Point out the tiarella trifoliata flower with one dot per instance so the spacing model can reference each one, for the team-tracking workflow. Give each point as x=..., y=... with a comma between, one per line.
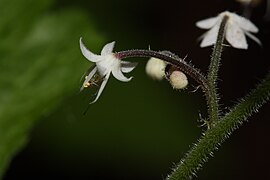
x=155, y=68
x=178, y=79
x=236, y=29
x=106, y=64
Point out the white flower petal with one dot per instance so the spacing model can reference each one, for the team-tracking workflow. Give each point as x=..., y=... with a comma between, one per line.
x=210, y=37
x=236, y=29
x=91, y=74
x=117, y=73
x=244, y=23
x=108, y=63
x=251, y=36
x=127, y=67
x=107, y=49
x=207, y=23
x=235, y=36
x=88, y=54
x=105, y=80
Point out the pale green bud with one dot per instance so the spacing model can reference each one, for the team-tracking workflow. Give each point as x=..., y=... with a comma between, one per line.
x=155, y=68
x=178, y=80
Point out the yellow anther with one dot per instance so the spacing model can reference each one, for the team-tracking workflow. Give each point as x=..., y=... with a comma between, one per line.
x=87, y=84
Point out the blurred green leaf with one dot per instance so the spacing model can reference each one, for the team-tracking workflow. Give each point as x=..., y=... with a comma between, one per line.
x=40, y=64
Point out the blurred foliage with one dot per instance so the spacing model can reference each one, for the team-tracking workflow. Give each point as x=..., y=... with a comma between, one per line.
x=39, y=65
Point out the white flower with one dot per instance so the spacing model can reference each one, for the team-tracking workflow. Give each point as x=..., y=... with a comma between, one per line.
x=155, y=68
x=106, y=63
x=236, y=29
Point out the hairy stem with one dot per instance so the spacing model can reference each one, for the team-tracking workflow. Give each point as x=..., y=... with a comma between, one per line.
x=213, y=108
x=213, y=138
x=172, y=59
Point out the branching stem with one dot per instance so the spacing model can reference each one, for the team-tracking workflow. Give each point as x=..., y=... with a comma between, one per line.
x=214, y=137
x=219, y=128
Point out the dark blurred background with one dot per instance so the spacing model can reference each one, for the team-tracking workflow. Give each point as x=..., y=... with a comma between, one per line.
x=137, y=130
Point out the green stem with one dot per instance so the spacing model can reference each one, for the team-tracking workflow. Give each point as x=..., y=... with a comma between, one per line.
x=213, y=138
x=213, y=108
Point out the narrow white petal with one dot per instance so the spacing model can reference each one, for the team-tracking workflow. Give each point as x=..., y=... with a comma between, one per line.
x=245, y=24
x=251, y=36
x=210, y=37
x=117, y=73
x=91, y=74
x=105, y=80
x=88, y=54
x=127, y=67
x=107, y=64
x=207, y=23
x=108, y=48
x=235, y=36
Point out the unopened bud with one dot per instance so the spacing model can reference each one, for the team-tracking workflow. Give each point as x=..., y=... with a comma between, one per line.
x=178, y=79
x=155, y=68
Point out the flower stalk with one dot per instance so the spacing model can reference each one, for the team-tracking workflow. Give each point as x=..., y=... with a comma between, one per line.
x=172, y=59
x=213, y=98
